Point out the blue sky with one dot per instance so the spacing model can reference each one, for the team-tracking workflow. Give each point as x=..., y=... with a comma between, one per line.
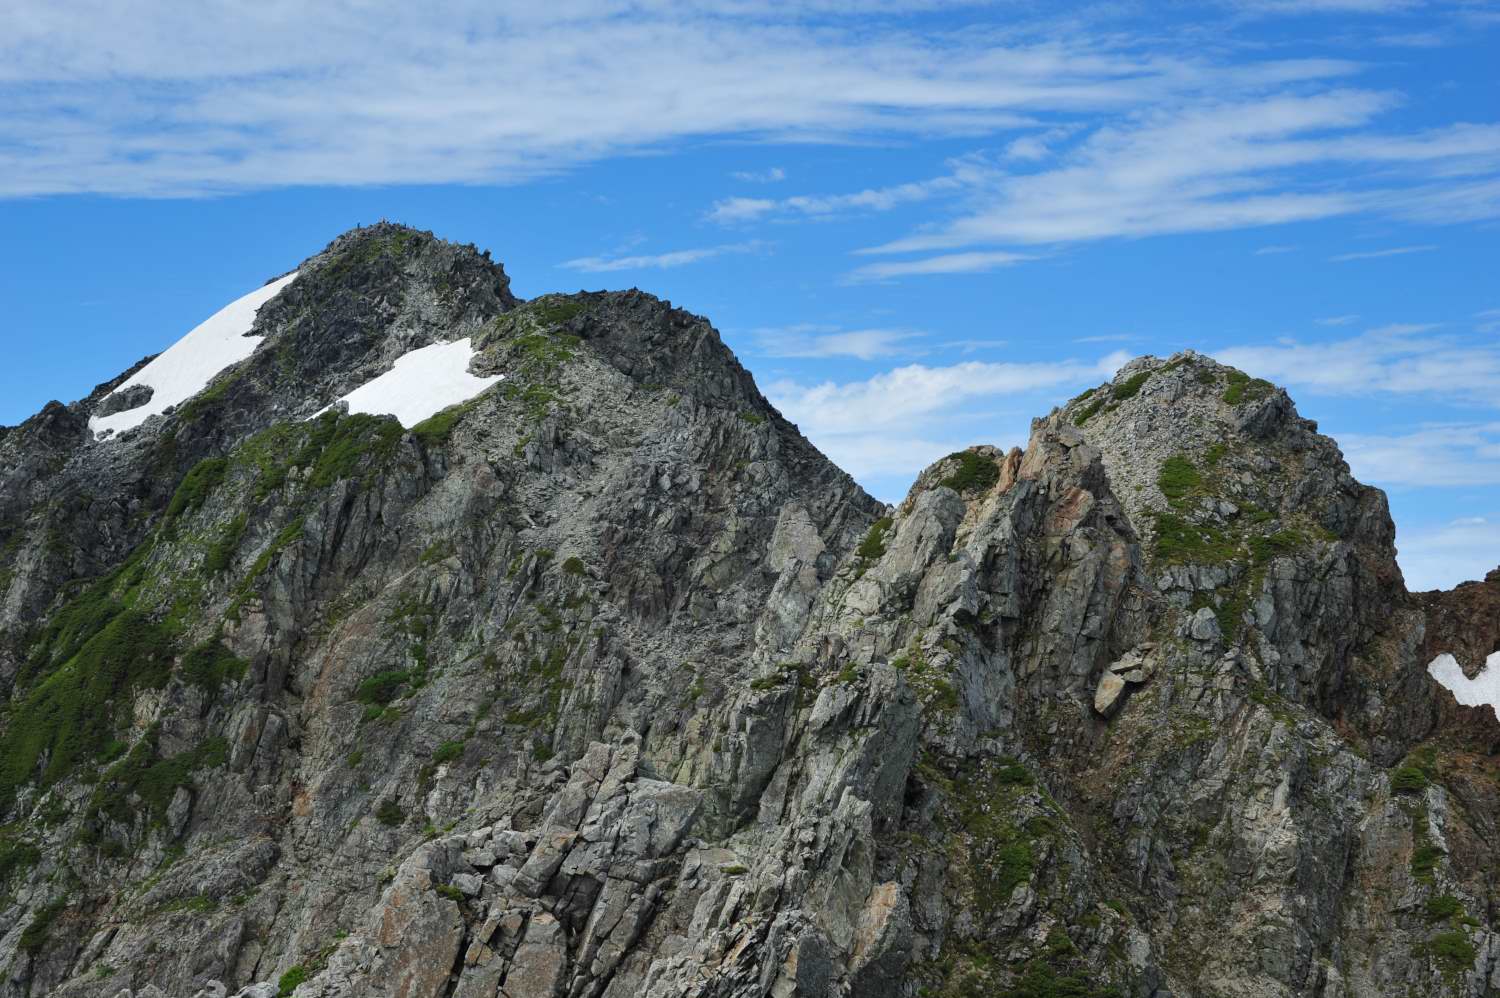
x=920, y=224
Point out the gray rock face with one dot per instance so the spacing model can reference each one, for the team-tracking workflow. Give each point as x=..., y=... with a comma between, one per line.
x=608, y=684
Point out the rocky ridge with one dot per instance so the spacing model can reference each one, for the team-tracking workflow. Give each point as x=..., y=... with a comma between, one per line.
x=607, y=683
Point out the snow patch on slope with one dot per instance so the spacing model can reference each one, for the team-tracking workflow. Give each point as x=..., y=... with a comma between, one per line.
x=421, y=383
x=1482, y=689
x=186, y=367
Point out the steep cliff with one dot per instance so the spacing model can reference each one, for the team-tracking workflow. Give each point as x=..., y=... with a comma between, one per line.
x=604, y=682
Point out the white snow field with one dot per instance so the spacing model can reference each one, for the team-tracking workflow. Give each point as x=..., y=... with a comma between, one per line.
x=186, y=367
x=1482, y=689
x=421, y=383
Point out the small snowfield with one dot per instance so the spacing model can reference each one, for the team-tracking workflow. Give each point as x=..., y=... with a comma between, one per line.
x=1481, y=690
x=421, y=383
x=186, y=367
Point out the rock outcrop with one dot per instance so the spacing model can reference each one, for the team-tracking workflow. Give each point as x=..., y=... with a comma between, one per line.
x=606, y=683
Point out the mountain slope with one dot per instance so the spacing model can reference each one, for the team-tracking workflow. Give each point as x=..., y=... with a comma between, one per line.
x=604, y=681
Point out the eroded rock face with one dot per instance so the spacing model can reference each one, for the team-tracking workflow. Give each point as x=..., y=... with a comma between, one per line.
x=608, y=684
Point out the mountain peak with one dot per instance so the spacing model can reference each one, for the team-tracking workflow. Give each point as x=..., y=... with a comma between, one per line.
x=441, y=642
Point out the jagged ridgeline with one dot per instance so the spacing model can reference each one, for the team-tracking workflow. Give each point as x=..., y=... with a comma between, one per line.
x=582, y=673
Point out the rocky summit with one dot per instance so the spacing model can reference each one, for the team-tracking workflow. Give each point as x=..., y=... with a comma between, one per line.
x=604, y=683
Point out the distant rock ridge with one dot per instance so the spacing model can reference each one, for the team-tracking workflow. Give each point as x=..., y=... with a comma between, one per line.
x=601, y=681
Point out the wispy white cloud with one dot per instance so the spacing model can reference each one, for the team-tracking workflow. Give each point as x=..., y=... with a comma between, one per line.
x=136, y=99
x=899, y=396
x=898, y=421
x=872, y=455
x=742, y=209
x=815, y=341
x=1337, y=320
x=948, y=263
x=1440, y=455
x=1378, y=254
x=1326, y=6
x=1275, y=250
x=1487, y=321
x=975, y=345
x=659, y=261
x=1463, y=550
x=774, y=175
x=1039, y=145
x=1408, y=359
x=1205, y=165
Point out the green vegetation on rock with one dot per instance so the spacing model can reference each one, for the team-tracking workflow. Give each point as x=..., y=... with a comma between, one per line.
x=389, y=813
x=1408, y=780
x=290, y=980
x=1243, y=388
x=144, y=782
x=1131, y=386
x=34, y=938
x=1178, y=478
x=69, y=716
x=210, y=665
x=976, y=473
x=204, y=477
x=872, y=548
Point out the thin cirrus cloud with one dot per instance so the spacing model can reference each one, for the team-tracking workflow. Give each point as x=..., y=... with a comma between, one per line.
x=771, y=176
x=136, y=100
x=743, y=209
x=1381, y=253
x=947, y=263
x=813, y=342
x=1218, y=164
x=659, y=261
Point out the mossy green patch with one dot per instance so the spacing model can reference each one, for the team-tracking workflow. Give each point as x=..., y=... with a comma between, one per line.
x=17, y=855
x=382, y=688
x=872, y=548
x=448, y=751
x=933, y=687
x=1408, y=780
x=34, y=938
x=290, y=980
x=1453, y=951
x=1443, y=907
x=975, y=472
x=1178, y=479
x=389, y=813
x=69, y=716
x=1243, y=388
x=1000, y=850
x=210, y=665
x=437, y=428
x=196, y=486
x=145, y=781
x=339, y=445
x=1131, y=386
x=1089, y=411
x=554, y=310
x=220, y=554
x=1424, y=861
x=1180, y=540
